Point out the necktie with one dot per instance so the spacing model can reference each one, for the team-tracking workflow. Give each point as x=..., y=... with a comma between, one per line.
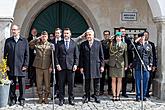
x=67, y=45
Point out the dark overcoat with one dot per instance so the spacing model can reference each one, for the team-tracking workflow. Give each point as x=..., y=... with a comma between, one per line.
x=91, y=59
x=17, y=54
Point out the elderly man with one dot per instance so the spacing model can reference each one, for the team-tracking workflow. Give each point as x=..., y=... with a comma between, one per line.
x=42, y=63
x=16, y=51
x=91, y=64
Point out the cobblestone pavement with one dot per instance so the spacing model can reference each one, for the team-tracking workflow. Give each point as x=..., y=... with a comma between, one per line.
x=106, y=103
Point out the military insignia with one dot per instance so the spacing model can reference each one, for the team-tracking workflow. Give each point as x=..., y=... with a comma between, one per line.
x=147, y=48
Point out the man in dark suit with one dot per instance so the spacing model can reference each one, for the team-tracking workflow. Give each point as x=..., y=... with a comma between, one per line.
x=130, y=59
x=154, y=66
x=32, y=54
x=57, y=38
x=67, y=57
x=16, y=51
x=105, y=45
x=91, y=64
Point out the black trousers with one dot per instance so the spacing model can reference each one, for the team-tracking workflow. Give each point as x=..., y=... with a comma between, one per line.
x=21, y=81
x=102, y=80
x=96, y=85
x=66, y=75
x=125, y=81
x=133, y=82
x=32, y=75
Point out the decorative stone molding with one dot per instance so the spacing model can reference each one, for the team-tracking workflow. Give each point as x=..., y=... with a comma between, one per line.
x=6, y=19
x=5, y=23
x=159, y=19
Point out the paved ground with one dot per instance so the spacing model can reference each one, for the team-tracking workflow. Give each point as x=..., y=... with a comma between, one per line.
x=106, y=103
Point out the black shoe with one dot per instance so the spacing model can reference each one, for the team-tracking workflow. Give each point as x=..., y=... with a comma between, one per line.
x=125, y=95
x=61, y=102
x=22, y=102
x=97, y=100
x=71, y=102
x=12, y=102
x=84, y=100
x=144, y=99
x=114, y=98
x=117, y=98
x=137, y=99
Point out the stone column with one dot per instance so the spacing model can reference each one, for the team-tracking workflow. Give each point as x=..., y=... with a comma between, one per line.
x=159, y=81
x=5, y=24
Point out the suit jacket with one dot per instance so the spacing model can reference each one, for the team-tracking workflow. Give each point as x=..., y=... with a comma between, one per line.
x=31, y=52
x=105, y=45
x=43, y=55
x=129, y=49
x=118, y=55
x=67, y=58
x=17, y=55
x=153, y=53
x=91, y=58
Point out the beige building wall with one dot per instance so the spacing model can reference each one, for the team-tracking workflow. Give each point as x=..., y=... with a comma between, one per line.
x=107, y=13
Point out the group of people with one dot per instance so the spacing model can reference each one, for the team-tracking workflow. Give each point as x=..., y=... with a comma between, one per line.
x=114, y=56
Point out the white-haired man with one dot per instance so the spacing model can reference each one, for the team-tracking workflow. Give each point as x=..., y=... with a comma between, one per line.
x=91, y=64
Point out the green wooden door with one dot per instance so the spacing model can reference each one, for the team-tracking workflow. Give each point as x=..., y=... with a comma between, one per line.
x=60, y=15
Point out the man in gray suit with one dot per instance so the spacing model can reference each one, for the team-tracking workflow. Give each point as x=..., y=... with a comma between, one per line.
x=67, y=57
x=91, y=64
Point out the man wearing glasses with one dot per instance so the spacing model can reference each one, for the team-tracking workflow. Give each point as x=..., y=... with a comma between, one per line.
x=105, y=45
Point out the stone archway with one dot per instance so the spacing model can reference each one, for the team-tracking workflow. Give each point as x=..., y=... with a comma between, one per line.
x=42, y=4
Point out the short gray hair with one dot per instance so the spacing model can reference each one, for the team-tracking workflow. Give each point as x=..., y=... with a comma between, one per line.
x=90, y=30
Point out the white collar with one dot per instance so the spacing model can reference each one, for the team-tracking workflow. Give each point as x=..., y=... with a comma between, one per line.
x=67, y=40
x=91, y=42
x=16, y=37
x=59, y=39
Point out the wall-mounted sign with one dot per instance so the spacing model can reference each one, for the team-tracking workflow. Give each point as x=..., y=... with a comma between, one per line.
x=129, y=16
